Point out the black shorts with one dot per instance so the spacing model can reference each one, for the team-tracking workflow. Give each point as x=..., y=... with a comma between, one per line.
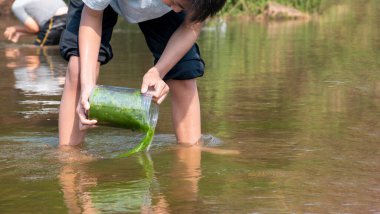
x=69, y=39
x=50, y=32
x=157, y=33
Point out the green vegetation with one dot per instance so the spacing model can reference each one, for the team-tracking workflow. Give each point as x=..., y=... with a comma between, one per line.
x=124, y=108
x=117, y=109
x=310, y=6
x=142, y=146
x=255, y=7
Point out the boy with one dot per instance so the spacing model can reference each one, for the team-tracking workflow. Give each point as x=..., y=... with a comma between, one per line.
x=170, y=27
x=46, y=18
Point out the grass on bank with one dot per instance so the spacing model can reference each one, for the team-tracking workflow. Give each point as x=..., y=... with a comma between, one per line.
x=256, y=7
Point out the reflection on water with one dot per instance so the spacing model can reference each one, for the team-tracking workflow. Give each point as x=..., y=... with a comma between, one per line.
x=113, y=189
x=38, y=74
x=294, y=108
x=32, y=77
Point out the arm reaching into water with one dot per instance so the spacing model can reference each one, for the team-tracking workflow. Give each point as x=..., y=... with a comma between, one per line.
x=90, y=32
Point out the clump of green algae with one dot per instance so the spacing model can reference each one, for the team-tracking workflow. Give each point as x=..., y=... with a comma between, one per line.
x=142, y=146
x=123, y=110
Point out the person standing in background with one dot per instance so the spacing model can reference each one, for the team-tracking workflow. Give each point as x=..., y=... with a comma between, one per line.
x=44, y=18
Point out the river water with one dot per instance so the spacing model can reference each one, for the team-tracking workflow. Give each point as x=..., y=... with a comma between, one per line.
x=290, y=115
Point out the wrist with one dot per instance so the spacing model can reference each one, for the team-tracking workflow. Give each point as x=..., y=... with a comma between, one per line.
x=87, y=88
x=88, y=77
x=156, y=71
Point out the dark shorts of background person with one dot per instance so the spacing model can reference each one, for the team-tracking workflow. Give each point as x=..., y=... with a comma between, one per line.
x=50, y=32
x=157, y=33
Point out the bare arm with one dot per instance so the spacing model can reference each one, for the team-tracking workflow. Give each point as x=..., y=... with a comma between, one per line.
x=90, y=32
x=30, y=26
x=179, y=44
x=13, y=33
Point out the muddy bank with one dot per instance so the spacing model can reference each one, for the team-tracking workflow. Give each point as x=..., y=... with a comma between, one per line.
x=272, y=11
x=276, y=11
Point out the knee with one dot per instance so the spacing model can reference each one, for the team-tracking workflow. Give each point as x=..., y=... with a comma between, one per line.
x=183, y=88
x=183, y=85
x=72, y=75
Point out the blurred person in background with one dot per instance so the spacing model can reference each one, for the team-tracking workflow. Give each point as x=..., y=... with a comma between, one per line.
x=44, y=18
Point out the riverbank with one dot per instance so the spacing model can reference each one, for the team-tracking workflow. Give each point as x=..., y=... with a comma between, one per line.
x=270, y=11
x=258, y=7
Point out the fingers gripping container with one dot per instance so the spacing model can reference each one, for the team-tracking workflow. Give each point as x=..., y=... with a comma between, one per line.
x=124, y=108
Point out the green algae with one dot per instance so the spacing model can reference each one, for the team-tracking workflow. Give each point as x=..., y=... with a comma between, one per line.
x=142, y=146
x=123, y=108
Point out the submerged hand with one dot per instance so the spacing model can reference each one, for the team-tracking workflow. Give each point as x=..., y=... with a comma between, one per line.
x=154, y=85
x=15, y=37
x=82, y=110
x=10, y=33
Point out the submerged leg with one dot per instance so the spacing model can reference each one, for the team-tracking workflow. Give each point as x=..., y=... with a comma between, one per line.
x=186, y=113
x=69, y=132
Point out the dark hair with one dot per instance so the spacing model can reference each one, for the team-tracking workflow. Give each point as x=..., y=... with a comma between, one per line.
x=202, y=9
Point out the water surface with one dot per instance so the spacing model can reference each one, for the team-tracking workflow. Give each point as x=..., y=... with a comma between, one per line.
x=298, y=100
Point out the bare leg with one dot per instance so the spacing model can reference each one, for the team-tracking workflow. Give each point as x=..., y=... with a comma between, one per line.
x=186, y=114
x=69, y=133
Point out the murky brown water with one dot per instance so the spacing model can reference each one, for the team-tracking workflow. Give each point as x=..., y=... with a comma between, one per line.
x=299, y=101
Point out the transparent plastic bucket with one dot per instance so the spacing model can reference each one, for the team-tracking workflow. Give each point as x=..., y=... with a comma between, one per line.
x=123, y=107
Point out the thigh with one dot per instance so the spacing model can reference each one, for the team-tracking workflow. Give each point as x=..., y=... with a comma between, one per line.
x=157, y=33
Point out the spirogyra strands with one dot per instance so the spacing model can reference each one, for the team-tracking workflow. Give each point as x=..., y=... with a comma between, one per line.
x=124, y=108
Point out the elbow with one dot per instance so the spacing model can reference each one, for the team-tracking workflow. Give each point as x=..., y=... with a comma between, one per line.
x=198, y=27
x=31, y=25
x=194, y=27
x=34, y=30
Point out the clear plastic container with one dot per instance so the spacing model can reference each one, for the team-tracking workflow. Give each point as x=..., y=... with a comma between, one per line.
x=123, y=107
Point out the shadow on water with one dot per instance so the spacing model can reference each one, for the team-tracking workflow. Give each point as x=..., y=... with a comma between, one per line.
x=292, y=109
